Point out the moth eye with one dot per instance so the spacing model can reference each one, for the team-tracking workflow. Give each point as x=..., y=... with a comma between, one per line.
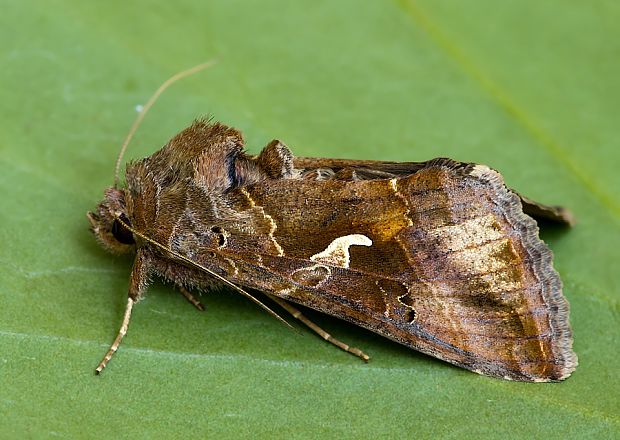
x=120, y=232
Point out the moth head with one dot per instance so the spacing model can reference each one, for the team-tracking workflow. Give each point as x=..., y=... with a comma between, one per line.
x=108, y=222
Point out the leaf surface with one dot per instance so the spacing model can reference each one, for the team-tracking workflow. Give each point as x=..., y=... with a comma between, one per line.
x=529, y=88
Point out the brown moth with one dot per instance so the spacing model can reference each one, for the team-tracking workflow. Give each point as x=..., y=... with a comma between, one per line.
x=440, y=256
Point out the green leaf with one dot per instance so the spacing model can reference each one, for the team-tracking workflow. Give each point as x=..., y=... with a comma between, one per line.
x=527, y=87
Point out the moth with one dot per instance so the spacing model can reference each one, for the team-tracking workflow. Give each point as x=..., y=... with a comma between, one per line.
x=439, y=256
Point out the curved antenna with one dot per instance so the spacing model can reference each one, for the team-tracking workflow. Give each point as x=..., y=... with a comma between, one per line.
x=201, y=267
x=148, y=105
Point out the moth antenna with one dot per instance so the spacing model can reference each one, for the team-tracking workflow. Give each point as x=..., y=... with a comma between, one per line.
x=148, y=105
x=201, y=267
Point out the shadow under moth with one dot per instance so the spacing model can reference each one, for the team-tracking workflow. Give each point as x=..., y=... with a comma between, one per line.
x=439, y=256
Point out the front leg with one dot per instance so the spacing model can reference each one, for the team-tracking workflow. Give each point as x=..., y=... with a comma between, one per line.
x=138, y=283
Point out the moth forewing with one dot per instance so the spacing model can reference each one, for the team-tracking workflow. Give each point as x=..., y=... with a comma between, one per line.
x=449, y=264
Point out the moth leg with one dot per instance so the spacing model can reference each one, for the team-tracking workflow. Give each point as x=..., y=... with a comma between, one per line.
x=119, y=337
x=191, y=298
x=322, y=333
x=138, y=282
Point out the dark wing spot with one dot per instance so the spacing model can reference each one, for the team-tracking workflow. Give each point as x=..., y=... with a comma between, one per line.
x=410, y=316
